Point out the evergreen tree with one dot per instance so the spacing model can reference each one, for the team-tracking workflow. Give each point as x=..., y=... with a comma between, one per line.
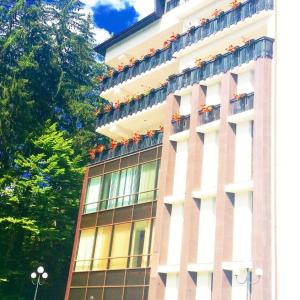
x=47, y=76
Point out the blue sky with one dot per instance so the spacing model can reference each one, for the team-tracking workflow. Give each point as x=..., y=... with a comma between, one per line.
x=112, y=16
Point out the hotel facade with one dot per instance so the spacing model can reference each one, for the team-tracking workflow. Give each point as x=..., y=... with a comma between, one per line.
x=179, y=205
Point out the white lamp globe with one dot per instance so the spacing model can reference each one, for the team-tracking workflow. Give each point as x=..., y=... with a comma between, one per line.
x=33, y=275
x=45, y=275
x=40, y=269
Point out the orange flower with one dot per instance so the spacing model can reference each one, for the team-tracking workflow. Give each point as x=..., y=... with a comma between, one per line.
x=120, y=67
x=203, y=21
x=211, y=57
x=100, y=78
x=92, y=154
x=166, y=44
x=136, y=138
x=100, y=148
x=247, y=40
x=234, y=4
x=96, y=112
x=113, y=144
x=124, y=141
x=132, y=61
x=161, y=128
x=110, y=73
x=173, y=37
x=239, y=96
x=152, y=51
x=216, y=13
x=206, y=108
x=117, y=105
x=150, y=133
x=199, y=62
x=176, y=117
x=231, y=48
x=107, y=107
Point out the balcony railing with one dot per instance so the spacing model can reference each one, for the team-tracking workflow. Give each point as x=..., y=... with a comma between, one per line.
x=121, y=150
x=210, y=116
x=262, y=47
x=154, y=97
x=193, y=35
x=242, y=104
x=172, y=4
x=182, y=124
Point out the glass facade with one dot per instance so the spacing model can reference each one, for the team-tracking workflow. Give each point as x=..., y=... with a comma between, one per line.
x=114, y=247
x=134, y=185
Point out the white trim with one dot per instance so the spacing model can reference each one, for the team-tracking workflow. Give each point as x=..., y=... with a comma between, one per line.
x=201, y=267
x=174, y=199
x=205, y=193
x=166, y=269
x=241, y=117
x=239, y=187
x=209, y=127
x=180, y=136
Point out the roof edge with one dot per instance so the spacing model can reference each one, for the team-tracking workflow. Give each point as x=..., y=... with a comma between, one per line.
x=159, y=10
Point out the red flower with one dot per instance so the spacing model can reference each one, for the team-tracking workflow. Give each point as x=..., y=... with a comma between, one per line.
x=100, y=148
x=100, y=78
x=150, y=133
x=120, y=67
x=124, y=141
x=206, y=108
x=166, y=43
x=92, y=154
x=113, y=144
x=203, y=21
x=136, y=138
x=173, y=37
x=161, y=128
x=152, y=51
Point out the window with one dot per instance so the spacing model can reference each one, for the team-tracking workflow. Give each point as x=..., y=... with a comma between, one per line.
x=102, y=248
x=120, y=246
x=92, y=195
x=147, y=182
x=140, y=244
x=85, y=250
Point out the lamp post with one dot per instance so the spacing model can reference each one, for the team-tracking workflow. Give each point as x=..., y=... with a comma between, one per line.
x=36, y=279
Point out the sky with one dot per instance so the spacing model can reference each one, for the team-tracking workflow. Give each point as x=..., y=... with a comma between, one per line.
x=112, y=16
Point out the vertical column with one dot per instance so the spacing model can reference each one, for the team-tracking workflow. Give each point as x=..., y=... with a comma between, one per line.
x=187, y=281
x=76, y=239
x=224, y=205
x=262, y=208
x=166, y=176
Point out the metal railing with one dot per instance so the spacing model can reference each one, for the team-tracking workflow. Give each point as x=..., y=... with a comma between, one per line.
x=210, y=116
x=193, y=35
x=182, y=124
x=244, y=103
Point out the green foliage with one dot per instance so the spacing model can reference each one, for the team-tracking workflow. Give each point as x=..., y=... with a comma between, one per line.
x=47, y=77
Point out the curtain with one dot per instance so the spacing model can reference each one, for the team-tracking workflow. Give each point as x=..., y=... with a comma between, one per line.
x=102, y=248
x=147, y=182
x=120, y=246
x=85, y=250
x=92, y=196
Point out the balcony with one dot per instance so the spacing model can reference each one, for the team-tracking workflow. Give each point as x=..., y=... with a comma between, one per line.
x=153, y=98
x=121, y=150
x=192, y=36
x=244, y=103
x=172, y=4
x=241, y=109
x=209, y=120
x=222, y=63
x=182, y=124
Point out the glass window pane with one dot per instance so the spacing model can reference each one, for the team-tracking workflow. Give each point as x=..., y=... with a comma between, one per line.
x=120, y=245
x=140, y=244
x=92, y=195
x=122, y=186
x=131, y=186
x=105, y=190
x=85, y=250
x=147, y=182
x=113, y=191
x=102, y=248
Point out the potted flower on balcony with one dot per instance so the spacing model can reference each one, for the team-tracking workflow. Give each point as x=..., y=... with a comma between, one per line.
x=203, y=21
x=110, y=73
x=136, y=137
x=100, y=78
x=235, y=4
x=176, y=118
x=100, y=148
x=132, y=61
x=174, y=37
x=199, y=62
x=237, y=97
x=217, y=12
x=231, y=48
x=113, y=145
x=166, y=43
x=120, y=67
x=152, y=51
x=97, y=112
x=107, y=108
x=117, y=105
x=206, y=108
x=92, y=154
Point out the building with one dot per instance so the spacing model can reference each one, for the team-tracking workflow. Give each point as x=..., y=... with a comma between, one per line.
x=180, y=205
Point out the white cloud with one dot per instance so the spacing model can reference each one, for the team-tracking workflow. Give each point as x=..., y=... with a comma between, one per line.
x=143, y=8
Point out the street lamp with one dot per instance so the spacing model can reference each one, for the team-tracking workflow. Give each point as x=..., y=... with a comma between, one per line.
x=36, y=278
